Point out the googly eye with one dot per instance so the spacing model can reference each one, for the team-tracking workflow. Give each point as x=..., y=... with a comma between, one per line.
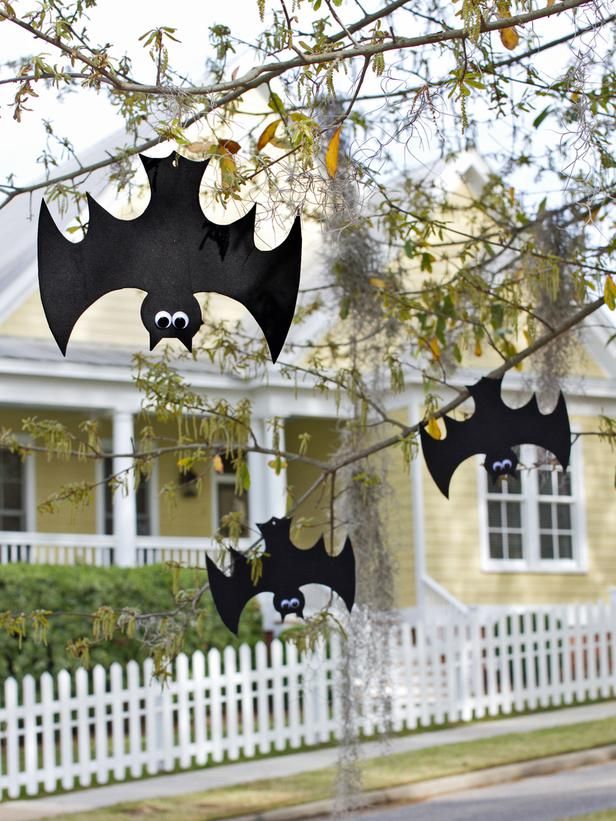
x=507, y=464
x=180, y=320
x=285, y=604
x=497, y=467
x=163, y=319
x=294, y=602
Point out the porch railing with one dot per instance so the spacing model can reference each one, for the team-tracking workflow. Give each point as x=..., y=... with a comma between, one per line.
x=96, y=549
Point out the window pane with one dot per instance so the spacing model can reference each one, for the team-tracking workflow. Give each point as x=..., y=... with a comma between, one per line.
x=564, y=483
x=12, y=522
x=563, y=517
x=545, y=515
x=12, y=496
x=494, y=514
x=514, y=541
x=230, y=502
x=496, y=546
x=10, y=466
x=565, y=547
x=513, y=484
x=547, y=546
x=514, y=514
x=545, y=482
x=143, y=508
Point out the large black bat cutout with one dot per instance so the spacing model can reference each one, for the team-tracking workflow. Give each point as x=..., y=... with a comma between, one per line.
x=285, y=569
x=172, y=251
x=493, y=429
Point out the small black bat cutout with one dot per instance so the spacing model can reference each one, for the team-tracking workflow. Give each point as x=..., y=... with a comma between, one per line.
x=493, y=429
x=172, y=251
x=285, y=569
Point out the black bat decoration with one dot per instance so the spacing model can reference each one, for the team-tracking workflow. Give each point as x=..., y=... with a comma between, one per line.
x=172, y=251
x=285, y=569
x=493, y=429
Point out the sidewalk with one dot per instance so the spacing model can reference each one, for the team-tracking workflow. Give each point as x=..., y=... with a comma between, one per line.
x=280, y=766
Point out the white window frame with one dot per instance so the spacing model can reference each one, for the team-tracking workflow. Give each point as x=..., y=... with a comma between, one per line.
x=529, y=500
x=152, y=488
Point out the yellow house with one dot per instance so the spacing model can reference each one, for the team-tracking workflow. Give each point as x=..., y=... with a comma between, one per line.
x=545, y=538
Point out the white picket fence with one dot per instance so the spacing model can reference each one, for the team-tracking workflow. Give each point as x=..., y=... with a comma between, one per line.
x=91, y=726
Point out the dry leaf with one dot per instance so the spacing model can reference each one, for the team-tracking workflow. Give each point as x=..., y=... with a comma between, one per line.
x=550, y=3
x=435, y=348
x=218, y=464
x=478, y=349
x=229, y=145
x=199, y=147
x=331, y=155
x=433, y=429
x=268, y=134
x=509, y=38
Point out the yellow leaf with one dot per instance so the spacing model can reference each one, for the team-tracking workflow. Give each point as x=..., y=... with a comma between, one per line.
x=377, y=282
x=268, y=133
x=509, y=38
x=435, y=348
x=218, y=464
x=331, y=155
x=550, y=3
x=228, y=173
x=478, y=349
x=433, y=429
x=609, y=293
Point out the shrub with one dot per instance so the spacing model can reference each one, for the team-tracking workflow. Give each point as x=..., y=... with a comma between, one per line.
x=79, y=590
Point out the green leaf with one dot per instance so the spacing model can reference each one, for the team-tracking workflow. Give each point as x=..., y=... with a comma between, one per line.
x=541, y=117
x=276, y=104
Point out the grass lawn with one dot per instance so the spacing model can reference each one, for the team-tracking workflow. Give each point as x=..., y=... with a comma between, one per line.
x=387, y=771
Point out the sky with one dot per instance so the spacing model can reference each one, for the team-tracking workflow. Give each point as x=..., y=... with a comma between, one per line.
x=87, y=117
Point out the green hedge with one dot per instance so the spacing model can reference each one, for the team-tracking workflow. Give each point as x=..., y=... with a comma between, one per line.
x=83, y=589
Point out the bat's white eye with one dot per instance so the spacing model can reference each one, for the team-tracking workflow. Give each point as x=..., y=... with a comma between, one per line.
x=294, y=603
x=507, y=464
x=497, y=467
x=162, y=319
x=285, y=604
x=180, y=320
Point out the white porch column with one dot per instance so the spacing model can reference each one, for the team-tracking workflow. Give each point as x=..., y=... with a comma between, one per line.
x=417, y=492
x=124, y=501
x=267, y=497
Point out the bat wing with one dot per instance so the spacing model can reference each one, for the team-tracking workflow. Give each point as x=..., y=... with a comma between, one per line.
x=232, y=593
x=551, y=431
x=317, y=566
x=73, y=275
x=443, y=456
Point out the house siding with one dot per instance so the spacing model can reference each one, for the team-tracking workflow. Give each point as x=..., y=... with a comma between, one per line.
x=453, y=538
